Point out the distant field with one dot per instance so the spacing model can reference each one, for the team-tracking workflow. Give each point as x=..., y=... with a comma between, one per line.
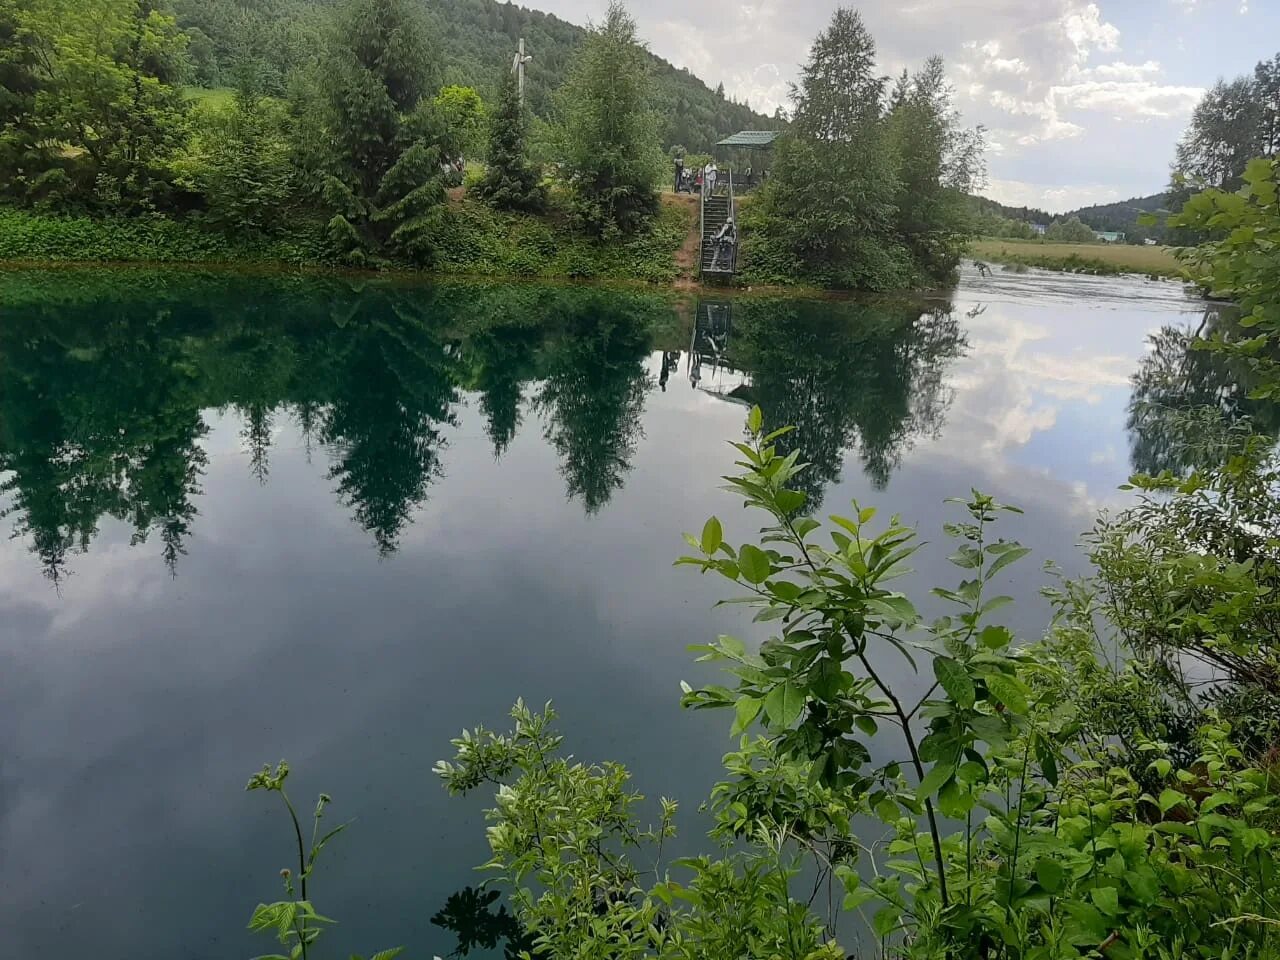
x=217, y=97
x=1080, y=257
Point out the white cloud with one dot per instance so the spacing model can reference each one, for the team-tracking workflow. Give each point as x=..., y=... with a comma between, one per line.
x=1049, y=78
x=1128, y=98
x=1087, y=31
x=1119, y=70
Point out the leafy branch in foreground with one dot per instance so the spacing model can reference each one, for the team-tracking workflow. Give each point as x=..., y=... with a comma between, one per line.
x=1013, y=822
x=295, y=921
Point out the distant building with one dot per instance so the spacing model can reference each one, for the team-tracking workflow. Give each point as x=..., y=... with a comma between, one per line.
x=1040, y=228
x=1108, y=237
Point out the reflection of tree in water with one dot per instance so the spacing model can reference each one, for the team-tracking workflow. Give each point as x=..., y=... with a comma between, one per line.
x=846, y=375
x=503, y=359
x=1175, y=385
x=593, y=395
x=470, y=916
x=105, y=425
x=393, y=386
x=102, y=388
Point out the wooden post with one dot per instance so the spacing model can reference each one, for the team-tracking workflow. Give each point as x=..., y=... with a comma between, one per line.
x=518, y=66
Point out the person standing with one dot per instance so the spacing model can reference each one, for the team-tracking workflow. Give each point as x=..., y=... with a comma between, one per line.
x=709, y=177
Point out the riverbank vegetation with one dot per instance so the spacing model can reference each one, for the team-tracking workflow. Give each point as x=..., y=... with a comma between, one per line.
x=1096, y=258
x=347, y=141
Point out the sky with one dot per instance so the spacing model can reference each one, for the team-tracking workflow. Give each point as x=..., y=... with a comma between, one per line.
x=1083, y=102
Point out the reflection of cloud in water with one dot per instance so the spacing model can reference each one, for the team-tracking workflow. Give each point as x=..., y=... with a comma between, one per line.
x=1046, y=398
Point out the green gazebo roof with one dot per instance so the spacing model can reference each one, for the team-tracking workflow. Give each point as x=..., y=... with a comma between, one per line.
x=750, y=138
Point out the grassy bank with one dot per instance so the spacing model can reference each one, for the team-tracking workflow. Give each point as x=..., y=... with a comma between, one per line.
x=474, y=241
x=1099, y=258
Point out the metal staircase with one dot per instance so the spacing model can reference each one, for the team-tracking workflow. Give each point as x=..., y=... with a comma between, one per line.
x=717, y=259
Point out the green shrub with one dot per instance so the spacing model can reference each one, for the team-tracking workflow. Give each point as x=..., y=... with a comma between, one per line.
x=36, y=237
x=1012, y=828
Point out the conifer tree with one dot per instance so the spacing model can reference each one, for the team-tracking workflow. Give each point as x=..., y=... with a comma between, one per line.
x=381, y=144
x=510, y=181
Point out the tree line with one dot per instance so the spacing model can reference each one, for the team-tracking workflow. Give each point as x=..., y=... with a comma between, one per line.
x=867, y=189
x=344, y=124
x=361, y=148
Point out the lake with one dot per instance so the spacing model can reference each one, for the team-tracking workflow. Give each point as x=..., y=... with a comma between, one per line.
x=338, y=520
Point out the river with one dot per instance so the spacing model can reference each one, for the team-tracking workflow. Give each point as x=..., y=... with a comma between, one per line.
x=337, y=520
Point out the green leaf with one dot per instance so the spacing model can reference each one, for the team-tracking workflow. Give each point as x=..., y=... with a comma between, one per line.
x=888, y=811
x=1089, y=919
x=712, y=536
x=1008, y=691
x=1048, y=762
x=1006, y=558
x=894, y=608
x=857, y=897
x=755, y=420
x=934, y=779
x=1107, y=899
x=867, y=725
x=955, y=681
x=746, y=710
x=886, y=921
x=754, y=564
x=388, y=954
x=954, y=800
x=1215, y=801
x=732, y=646
x=1170, y=798
x=994, y=637
x=1050, y=875
x=784, y=704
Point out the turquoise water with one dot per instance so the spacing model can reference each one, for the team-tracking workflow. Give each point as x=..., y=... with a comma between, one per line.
x=336, y=521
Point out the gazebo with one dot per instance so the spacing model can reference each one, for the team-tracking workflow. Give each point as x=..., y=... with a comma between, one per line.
x=740, y=147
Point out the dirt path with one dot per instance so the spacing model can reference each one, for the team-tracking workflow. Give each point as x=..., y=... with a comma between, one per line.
x=687, y=255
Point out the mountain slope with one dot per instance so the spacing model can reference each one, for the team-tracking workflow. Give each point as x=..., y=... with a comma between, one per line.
x=1119, y=217
x=1122, y=217
x=475, y=41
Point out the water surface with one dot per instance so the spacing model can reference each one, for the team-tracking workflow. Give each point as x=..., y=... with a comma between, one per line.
x=336, y=521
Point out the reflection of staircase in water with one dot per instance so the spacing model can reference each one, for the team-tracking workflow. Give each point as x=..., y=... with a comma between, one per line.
x=710, y=366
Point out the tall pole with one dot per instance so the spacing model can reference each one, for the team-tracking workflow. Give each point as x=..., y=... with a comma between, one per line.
x=517, y=65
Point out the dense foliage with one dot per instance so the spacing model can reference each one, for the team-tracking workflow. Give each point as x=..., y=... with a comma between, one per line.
x=339, y=117
x=608, y=142
x=1236, y=121
x=93, y=114
x=867, y=190
x=350, y=166
x=1030, y=806
x=510, y=181
x=476, y=40
x=378, y=146
x=1071, y=230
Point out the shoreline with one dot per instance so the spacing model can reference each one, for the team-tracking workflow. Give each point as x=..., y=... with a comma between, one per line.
x=676, y=290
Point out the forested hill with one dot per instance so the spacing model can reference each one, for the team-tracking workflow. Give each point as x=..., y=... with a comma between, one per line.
x=1120, y=217
x=475, y=40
